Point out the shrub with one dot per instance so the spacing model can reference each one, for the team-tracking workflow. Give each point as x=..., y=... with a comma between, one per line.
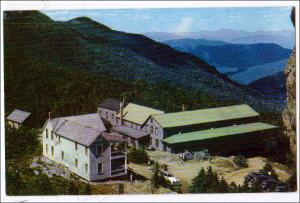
x=269, y=171
x=240, y=161
x=208, y=182
x=138, y=155
x=155, y=179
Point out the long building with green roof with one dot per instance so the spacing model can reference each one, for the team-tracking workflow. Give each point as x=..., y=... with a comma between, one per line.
x=185, y=118
x=193, y=129
x=217, y=133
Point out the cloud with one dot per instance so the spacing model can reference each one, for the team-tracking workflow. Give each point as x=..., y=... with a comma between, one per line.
x=185, y=25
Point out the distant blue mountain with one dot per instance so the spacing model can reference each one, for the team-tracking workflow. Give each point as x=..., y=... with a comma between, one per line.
x=260, y=71
x=284, y=38
x=232, y=58
x=188, y=44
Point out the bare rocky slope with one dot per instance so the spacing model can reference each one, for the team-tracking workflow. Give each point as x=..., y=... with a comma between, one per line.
x=289, y=114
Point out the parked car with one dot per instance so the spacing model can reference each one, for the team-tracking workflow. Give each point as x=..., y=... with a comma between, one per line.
x=168, y=177
x=150, y=148
x=255, y=175
x=269, y=185
x=281, y=187
x=186, y=155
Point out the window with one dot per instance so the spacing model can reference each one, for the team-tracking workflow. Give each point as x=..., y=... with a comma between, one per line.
x=86, y=151
x=151, y=120
x=100, y=168
x=157, y=142
x=113, y=116
x=76, y=147
x=117, y=121
x=51, y=134
x=52, y=151
x=47, y=133
x=76, y=163
x=151, y=129
x=62, y=155
x=46, y=148
x=131, y=125
x=99, y=149
x=86, y=168
x=156, y=131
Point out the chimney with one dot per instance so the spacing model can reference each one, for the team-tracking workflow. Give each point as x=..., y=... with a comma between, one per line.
x=49, y=115
x=121, y=112
x=183, y=107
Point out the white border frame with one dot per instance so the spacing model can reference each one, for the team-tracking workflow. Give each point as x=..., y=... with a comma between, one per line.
x=60, y=5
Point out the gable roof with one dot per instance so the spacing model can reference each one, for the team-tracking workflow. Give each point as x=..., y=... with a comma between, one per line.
x=113, y=136
x=136, y=134
x=78, y=133
x=18, y=116
x=137, y=113
x=185, y=118
x=217, y=132
x=112, y=104
x=92, y=120
x=83, y=129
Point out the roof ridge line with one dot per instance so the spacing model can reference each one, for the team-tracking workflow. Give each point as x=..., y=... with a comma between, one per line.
x=201, y=109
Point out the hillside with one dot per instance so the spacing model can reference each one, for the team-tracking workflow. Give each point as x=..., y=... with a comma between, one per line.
x=234, y=58
x=260, y=71
x=272, y=87
x=66, y=67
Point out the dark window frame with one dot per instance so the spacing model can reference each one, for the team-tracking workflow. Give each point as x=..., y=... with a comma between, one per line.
x=97, y=149
x=99, y=171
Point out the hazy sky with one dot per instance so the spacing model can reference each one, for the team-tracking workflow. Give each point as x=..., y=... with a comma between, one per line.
x=185, y=19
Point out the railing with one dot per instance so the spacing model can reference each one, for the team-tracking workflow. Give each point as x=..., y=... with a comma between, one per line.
x=117, y=153
x=120, y=169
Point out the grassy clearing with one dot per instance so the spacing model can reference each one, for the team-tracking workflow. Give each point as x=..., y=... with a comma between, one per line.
x=138, y=187
x=224, y=166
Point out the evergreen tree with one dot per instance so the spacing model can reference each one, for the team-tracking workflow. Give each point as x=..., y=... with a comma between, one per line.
x=233, y=187
x=155, y=177
x=73, y=189
x=198, y=183
x=88, y=189
x=240, y=189
x=269, y=171
x=223, y=186
x=255, y=186
x=213, y=182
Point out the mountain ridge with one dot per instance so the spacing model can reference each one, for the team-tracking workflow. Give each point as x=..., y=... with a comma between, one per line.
x=129, y=57
x=284, y=38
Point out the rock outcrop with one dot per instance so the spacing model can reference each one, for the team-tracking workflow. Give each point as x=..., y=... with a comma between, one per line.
x=289, y=114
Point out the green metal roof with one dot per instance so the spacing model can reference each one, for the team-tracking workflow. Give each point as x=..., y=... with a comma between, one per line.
x=137, y=113
x=184, y=118
x=217, y=132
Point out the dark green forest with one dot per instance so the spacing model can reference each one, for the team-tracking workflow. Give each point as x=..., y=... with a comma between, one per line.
x=22, y=145
x=44, y=70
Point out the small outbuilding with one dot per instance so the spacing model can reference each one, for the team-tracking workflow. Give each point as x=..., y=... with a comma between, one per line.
x=17, y=118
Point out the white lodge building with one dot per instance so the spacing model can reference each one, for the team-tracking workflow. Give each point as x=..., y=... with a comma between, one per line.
x=81, y=143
